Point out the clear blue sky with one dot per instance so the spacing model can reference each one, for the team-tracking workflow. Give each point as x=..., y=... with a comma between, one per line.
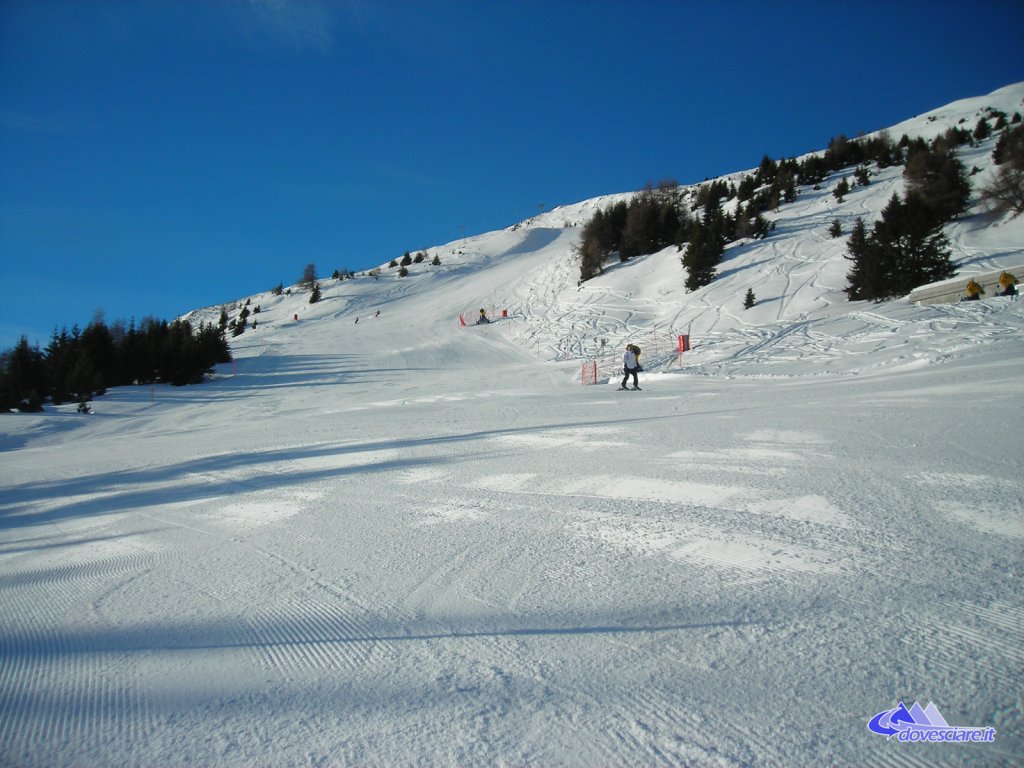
x=161, y=155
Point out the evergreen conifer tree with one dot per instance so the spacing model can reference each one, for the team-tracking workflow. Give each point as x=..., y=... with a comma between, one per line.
x=703, y=254
x=938, y=178
x=84, y=377
x=864, y=276
x=59, y=359
x=308, y=276
x=842, y=190
x=906, y=248
x=590, y=259
x=915, y=249
x=26, y=376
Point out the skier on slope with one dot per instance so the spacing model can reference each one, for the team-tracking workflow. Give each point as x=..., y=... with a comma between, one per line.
x=630, y=366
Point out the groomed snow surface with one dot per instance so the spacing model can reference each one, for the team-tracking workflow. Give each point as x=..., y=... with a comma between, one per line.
x=401, y=541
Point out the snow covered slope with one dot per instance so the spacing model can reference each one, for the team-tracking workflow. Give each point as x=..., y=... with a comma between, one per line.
x=403, y=541
x=798, y=274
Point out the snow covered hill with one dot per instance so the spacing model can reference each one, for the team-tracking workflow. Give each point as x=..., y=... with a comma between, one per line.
x=531, y=272
x=406, y=541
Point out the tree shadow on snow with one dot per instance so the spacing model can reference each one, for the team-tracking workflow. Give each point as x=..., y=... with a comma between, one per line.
x=238, y=472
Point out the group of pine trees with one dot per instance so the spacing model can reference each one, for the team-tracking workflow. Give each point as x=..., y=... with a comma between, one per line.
x=1005, y=193
x=408, y=260
x=656, y=218
x=905, y=249
x=650, y=221
x=77, y=366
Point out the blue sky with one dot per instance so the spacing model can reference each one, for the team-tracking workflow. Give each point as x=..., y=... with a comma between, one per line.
x=161, y=155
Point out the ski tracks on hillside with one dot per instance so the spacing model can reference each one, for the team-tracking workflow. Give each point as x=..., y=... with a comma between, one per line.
x=841, y=345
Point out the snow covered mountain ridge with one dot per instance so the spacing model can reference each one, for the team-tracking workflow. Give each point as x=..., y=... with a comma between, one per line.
x=531, y=271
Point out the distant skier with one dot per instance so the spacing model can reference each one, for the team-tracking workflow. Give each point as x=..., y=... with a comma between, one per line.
x=630, y=366
x=483, y=318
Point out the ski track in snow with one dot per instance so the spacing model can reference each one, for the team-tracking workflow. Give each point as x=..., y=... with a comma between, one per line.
x=404, y=542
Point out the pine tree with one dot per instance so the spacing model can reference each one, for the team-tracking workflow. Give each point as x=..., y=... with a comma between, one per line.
x=97, y=346
x=750, y=299
x=746, y=188
x=760, y=227
x=1009, y=146
x=308, y=276
x=864, y=276
x=842, y=190
x=906, y=248
x=314, y=295
x=84, y=376
x=59, y=359
x=26, y=376
x=766, y=171
x=835, y=228
x=703, y=254
x=785, y=183
x=938, y=178
x=591, y=259
x=915, y=249
x=651, y=223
